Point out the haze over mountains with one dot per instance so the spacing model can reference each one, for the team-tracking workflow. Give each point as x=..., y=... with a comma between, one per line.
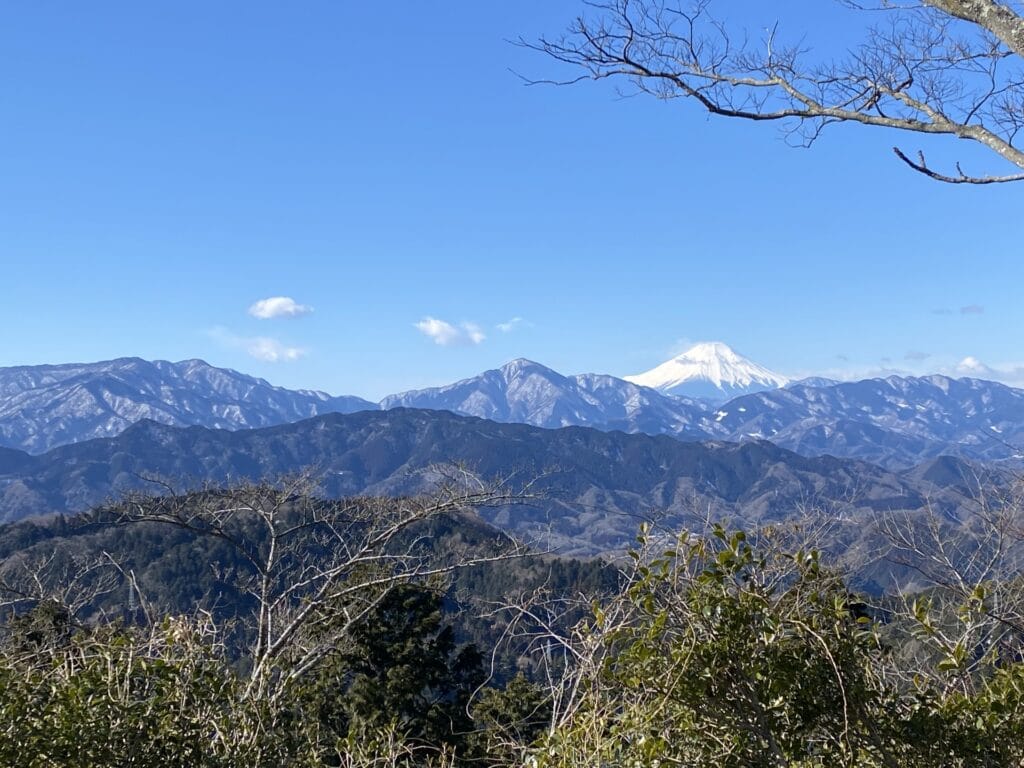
x=896, y=422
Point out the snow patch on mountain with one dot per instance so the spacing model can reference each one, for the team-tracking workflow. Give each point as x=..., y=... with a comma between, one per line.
x=710, y=370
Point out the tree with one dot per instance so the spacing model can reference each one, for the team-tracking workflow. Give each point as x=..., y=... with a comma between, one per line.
x=403, y=669
x=940, y=67
x=728, y=650
x=333, y=591
x=317, y=569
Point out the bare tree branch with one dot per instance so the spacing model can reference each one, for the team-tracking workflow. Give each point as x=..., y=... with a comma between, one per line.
x=940, y=67
x=317, y=567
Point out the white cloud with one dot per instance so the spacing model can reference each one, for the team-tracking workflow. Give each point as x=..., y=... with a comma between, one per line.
x=445, y=334
x=852, y=372
x=973, y=368
x=278, y=306
x=473, y=333
x=511, y=325
x=271, y=350
x=1011, y=374
x=263, y=348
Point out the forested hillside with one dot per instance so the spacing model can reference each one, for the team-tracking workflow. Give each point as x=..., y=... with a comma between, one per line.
x=257, y=625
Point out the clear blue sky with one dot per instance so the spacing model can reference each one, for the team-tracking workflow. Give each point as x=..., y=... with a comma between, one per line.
x=167, y=164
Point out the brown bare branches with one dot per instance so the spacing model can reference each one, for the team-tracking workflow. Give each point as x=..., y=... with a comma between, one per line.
x=942, y=67
x=962, y=589
x=317, y=567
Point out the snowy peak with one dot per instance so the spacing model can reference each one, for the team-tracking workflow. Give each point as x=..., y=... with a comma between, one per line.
x=709, y=370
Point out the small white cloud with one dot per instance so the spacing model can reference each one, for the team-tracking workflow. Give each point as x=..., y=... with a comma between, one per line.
x=473, y=333
x=511, y=325
x=278, y=306
x=972, y=309
x=441, y=332
x=445, y=334
x=264, y=348
x=271, y=350
x=972, y=366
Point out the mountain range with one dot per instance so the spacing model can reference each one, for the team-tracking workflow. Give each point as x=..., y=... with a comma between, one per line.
x=44, y=406
x=896, y=422
x=593, y=487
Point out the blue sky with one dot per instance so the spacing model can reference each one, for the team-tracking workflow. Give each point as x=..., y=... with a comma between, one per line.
x=167, y=165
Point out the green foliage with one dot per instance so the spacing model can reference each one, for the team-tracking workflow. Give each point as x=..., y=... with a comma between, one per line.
x=733, y=655
x=508, y=721
x=722, y=650
x=115, y=698
x=401, y=670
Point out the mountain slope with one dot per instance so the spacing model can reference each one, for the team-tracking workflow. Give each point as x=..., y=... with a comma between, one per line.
x=896, y=421
x=49, y=405
x=598, y=485
x=526, y=392
x=709, y=370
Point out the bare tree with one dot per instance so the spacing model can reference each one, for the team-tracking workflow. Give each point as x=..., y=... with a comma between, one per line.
x=314, y=567
x=71, y=582
x=961, y=593
x=941, y=67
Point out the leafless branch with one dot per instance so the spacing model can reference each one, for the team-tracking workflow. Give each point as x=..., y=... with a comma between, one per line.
x=940, y=67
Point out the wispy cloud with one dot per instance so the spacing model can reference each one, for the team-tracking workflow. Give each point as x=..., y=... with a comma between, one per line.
x=972, y=367
x=445, y=334
x=278, y=306
x=968, y=309
x=271, y=350
x=263, y=348
x=511, y=325
x=916, y=355
x=853, y=372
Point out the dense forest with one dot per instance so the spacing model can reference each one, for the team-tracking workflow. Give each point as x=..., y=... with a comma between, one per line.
x=261, y=626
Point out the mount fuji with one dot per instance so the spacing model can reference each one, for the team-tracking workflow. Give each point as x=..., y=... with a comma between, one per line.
x=895, y=422
x=710, y=370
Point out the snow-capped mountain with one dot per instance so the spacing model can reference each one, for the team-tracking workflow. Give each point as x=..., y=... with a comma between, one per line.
x=897, y=421
x=48, y=405
x=710, y=370
x=527, y=392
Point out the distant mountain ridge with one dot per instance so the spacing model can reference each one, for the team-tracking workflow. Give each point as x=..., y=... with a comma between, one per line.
x=44, y=406
x=526, y=392
x=595, y=486
x=896, y=422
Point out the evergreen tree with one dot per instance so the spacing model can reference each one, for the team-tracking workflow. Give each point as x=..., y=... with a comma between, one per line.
x=403, y=669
